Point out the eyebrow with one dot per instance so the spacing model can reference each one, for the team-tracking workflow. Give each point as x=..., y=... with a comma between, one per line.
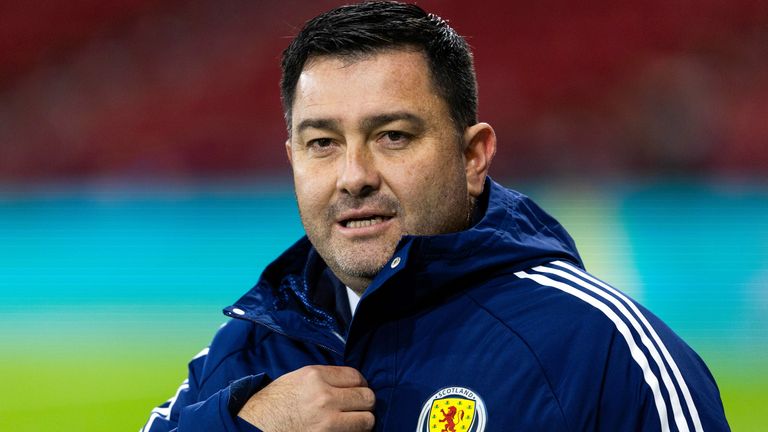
x=379, y=120
x=319, y=123
x=367, y=123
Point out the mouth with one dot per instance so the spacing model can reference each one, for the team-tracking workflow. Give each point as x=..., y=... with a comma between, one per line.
x=364, y=222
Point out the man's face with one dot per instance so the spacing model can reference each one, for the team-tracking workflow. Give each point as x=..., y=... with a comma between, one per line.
x=375, y=156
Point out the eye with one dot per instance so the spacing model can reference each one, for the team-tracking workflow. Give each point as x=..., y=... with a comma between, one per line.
x=320, y=147
x=320, y=143
x=395, y=138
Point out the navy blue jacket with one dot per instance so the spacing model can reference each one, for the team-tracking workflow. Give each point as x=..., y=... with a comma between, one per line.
x=495, y=328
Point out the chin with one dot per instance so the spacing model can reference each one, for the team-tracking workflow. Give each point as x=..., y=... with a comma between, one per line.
x=362, y=269
x=362, y=262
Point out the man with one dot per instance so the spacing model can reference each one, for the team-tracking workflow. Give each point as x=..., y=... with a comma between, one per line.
x=472, y=310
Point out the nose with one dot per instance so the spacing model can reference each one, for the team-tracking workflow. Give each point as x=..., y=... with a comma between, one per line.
x=359, y=176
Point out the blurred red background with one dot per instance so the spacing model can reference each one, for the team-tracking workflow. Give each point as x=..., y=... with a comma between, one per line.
x=181, y=89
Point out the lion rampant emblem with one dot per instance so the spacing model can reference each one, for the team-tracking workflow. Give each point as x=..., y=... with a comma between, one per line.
x=453, y=409
x=448, y=418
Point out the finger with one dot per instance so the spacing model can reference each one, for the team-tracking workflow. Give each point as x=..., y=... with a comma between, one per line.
x=355, y=421
x=355, y=399
x=339, y=376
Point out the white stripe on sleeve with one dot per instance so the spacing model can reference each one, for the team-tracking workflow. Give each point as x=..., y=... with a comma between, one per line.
x=635, y=351
x=165, y=412
x=667, y=356
x=677, y=410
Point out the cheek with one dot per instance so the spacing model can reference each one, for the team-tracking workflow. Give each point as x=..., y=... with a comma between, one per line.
x=444, y=187
x=314, y=189
x=440, y=173
x=428, y=185
x=304, y=190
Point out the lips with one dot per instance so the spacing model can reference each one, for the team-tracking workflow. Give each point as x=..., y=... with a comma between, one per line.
x=364, y=222
x=354, y=219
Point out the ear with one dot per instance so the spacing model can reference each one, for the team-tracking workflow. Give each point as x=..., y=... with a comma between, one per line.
x=288, y=151
x=480, y=142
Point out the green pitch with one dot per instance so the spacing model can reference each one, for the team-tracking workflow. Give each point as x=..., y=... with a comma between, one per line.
x=111, y=381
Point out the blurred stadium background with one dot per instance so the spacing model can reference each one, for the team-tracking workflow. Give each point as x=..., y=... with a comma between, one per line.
x=143, y=183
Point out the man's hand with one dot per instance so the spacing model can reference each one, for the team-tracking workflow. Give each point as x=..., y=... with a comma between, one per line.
x=313, y=398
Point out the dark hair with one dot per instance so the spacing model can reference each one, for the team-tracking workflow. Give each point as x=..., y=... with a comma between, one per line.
x=367, y=28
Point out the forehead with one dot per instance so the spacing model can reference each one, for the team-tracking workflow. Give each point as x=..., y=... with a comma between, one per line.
x=392, y=80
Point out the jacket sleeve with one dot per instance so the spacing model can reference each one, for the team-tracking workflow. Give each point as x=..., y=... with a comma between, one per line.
x=187, y=411
x=615, y=366
x=658, y=384
x=623, y=381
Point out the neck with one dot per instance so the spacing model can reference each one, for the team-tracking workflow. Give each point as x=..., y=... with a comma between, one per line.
x=356, y=284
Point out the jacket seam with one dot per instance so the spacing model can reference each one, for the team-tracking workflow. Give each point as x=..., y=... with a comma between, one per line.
x=530, y=350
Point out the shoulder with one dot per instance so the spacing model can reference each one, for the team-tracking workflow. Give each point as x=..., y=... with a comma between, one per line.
x=232, y=339
x=600, y=349
x=556, y=295
x=565, y=313
x=233, y=336
x=569, y=323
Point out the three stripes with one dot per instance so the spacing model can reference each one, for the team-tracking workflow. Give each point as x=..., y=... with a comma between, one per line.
x=624, y=313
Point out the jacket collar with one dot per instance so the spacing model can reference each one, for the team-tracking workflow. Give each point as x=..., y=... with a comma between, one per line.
x=513, y=233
